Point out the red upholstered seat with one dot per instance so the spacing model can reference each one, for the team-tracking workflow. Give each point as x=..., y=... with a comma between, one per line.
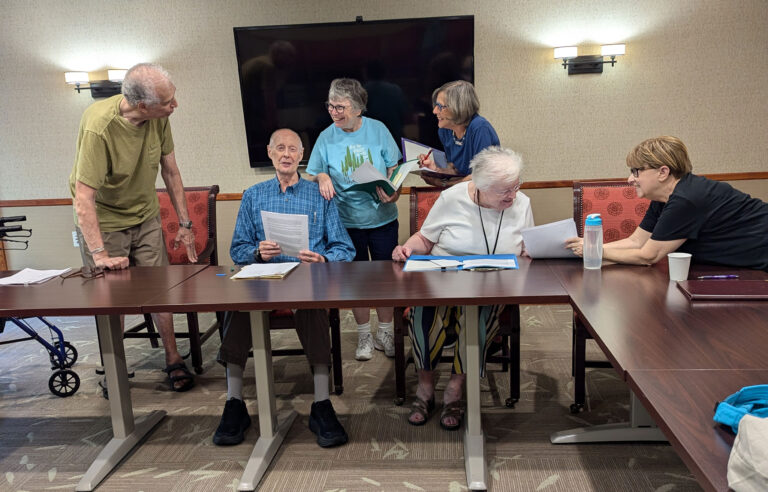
x=197, y=207
x=616, y=202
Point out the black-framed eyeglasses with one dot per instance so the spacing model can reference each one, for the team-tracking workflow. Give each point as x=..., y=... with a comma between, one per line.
x=636, y=170
x=339, y=108
x=440, y=107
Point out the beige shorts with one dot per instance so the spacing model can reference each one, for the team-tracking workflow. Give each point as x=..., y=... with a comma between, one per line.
x=143, y=244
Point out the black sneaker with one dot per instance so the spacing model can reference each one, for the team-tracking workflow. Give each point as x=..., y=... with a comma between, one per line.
x=234, y=422
x=323, y=422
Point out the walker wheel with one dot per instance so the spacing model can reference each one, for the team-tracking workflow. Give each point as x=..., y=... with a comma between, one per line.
x=70, y=355
x=64, y=382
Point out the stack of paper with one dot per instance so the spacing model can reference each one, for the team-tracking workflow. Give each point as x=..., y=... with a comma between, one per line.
x=265, y=270
x=31, y=276
x=548, y=240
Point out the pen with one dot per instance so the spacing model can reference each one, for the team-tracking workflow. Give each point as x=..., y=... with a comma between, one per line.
x=427, y=156
x=711, y=277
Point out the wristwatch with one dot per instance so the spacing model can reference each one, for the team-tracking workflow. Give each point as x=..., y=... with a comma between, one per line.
x=186, y=225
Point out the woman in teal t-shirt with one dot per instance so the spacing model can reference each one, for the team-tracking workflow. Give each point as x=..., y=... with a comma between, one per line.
x=371, y=221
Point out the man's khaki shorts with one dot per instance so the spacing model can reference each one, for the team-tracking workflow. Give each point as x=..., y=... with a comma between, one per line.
x=142, y=244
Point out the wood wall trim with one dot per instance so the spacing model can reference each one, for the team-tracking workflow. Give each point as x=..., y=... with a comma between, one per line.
x=532, y=185
x=3, y=263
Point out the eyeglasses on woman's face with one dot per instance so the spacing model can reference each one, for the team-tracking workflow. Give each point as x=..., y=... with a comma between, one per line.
x=508, y=191
x=335, y=108
x=440, y=107
x=635, y=171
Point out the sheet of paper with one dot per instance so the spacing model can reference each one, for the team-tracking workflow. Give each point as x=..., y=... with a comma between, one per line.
x=427, y=265
x=32, y=276
x=412, y=149
x=547, y=241
x=265, y=270
x=290, y=231
x=366, y=173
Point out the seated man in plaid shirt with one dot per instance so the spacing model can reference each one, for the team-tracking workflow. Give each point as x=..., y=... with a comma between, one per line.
x=287, y=193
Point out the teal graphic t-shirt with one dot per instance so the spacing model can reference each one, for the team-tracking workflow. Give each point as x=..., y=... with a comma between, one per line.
x=338, y=153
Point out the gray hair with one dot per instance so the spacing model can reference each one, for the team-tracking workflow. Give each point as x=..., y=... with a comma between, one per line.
x=349, y=89
x=274, y=134
x=141, y=81
x=495, y=164
x=461, y=99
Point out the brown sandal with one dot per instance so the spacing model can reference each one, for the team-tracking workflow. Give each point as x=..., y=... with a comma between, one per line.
x=422, y=408
x=452, y=409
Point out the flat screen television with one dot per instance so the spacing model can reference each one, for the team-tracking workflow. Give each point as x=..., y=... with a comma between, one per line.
x=285, y=72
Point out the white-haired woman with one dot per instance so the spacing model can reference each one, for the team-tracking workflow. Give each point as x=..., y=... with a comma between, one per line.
x=462, y=131
x=348, y=142
x=477, y=217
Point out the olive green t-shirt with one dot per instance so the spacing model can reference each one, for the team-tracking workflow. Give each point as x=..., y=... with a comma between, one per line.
x=120, y=160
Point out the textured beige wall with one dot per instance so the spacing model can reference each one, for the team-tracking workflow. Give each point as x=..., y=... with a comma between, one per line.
x=693, y=68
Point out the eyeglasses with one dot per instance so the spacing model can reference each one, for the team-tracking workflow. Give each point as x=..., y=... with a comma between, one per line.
x=440, y=107
x=85, y=272
x=636, y=170
x=338, y=108
x=508, y=191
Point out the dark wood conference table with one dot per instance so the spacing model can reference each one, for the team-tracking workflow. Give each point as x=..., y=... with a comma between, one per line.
x=359, y=284
x=678, y=356
x=107, y=297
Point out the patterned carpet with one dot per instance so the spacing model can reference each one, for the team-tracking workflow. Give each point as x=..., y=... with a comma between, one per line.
x=46, y=442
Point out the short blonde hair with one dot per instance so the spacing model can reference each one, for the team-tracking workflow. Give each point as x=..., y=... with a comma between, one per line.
x=460, y=98
x=657, y=152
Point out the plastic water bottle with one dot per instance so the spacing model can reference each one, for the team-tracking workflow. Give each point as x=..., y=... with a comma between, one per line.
x=593, y=242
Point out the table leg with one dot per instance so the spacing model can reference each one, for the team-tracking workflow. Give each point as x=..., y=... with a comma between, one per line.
x=474, y=440
x=272, y=430
x=127, y=433
x=640, y=427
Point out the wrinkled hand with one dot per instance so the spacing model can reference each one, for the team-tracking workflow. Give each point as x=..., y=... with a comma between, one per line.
x=575, y=244
x=307, y=256
x=187, y=238
x=426, y=162
x=326, y=186
x=103, y=260
x=269, y=249
x=401, y=253
x=384, y=198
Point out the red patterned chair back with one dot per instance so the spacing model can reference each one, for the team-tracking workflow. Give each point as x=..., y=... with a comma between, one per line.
x=201, y=205
x=616, y=202
x=422, y=200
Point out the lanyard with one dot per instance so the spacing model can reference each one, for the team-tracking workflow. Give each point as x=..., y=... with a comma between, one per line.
x=498, y=229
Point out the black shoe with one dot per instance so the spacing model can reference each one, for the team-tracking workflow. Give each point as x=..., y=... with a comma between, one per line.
x=234, y=422
x=323, y=422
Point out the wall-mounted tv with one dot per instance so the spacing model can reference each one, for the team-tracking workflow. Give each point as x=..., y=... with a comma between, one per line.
x=285, y=72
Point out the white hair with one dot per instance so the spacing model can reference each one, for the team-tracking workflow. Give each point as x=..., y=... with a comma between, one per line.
x=495, y=164
x=141, y=81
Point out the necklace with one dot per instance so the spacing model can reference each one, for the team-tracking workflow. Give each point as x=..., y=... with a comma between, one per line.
x=482, y=224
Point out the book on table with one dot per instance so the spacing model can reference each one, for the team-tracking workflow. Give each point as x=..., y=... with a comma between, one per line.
x=425, y=263
x=725, y=290
x=367, y=178
x=265, y=270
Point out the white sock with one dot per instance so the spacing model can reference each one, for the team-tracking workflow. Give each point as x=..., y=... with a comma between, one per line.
x=234, y=382
x=387, y=327
x=363, y=329
x=322, y=382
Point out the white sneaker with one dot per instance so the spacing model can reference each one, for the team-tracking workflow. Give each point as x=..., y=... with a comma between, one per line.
x=364, y=347
x=385, y=340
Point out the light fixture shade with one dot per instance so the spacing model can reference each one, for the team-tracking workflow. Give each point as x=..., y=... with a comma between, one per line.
x=565, y=52
x=116, y=75
x=612, y=49
x=76, y=77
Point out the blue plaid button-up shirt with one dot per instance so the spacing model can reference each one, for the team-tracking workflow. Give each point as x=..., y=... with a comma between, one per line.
x=327, y=235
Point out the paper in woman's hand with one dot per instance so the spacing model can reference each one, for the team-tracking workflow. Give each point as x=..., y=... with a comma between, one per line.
x=548, y=240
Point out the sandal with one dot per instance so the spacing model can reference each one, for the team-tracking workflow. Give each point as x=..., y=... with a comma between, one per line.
x=453, y=409
x=423, y=408
x=187, y=377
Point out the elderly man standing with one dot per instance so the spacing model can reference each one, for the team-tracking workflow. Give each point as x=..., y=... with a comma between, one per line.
x=121, y=143
x=287, y=193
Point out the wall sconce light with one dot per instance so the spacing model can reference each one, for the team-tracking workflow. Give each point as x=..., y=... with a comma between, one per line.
x=98, y=88
x=588, y=63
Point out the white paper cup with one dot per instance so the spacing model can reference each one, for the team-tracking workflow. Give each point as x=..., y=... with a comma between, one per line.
x=679, y=263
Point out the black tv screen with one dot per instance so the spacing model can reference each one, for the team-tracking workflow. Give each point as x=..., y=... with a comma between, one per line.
x=285, y=72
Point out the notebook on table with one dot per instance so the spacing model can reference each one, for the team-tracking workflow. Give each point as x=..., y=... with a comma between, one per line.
x=724, y=290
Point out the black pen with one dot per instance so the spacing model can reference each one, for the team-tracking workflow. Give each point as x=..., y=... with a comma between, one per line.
x=713, y=277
